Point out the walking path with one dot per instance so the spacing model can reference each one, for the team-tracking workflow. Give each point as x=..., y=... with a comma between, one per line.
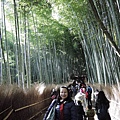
x=114, y=109
x=113, y=117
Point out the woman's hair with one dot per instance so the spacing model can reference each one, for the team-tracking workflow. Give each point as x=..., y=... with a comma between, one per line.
x=68, y=98
x=102, y=97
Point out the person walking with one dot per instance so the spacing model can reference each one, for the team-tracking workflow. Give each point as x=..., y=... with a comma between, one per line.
x=90, y=113
x=102, y=106
x=54, y=94
x=65, y=108
x=89, y=94
x=80, y=111
x=81, y=96
x=74, y=88
x=96, y=94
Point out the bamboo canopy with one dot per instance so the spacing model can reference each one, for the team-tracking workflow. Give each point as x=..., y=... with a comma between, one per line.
x=47, y=41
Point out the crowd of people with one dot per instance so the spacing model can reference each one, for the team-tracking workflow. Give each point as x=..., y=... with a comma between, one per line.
x=74, y=102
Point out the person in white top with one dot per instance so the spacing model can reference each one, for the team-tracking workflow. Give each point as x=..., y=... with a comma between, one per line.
x=96, y=94
x=81, y=96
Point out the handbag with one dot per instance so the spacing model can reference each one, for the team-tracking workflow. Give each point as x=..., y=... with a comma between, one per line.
x=51, y=114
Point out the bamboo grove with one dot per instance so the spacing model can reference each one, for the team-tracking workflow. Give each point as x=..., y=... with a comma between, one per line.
x=47, y=40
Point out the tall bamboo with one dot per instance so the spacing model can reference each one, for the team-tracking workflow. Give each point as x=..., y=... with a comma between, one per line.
x=8, y=77
x=1, y=79
x=18, y=49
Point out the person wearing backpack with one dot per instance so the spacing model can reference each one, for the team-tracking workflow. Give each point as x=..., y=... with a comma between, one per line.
x=90, y=113
x=102, y=106
x=89, y=94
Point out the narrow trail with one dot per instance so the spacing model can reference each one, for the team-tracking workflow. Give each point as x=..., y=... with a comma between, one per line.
x=95, y=117
x=114, y=109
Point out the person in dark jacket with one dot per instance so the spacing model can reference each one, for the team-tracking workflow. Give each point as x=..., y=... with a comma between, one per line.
x=89, y=94
x=102, y=106
x=65, y=107
x=80, y=111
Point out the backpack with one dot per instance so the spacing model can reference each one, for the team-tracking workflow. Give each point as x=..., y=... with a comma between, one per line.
x=102, y=112
x=89, y=90
x=50, y=113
